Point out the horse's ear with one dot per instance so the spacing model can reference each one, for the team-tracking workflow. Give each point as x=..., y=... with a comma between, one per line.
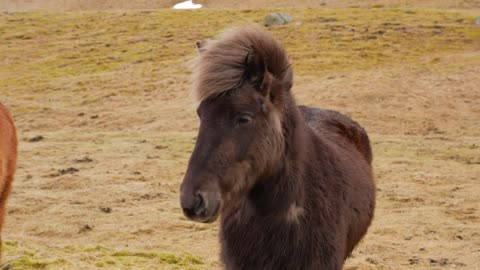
x=256, y=72
x=200, y=47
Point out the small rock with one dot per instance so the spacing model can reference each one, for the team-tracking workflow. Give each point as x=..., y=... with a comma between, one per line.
x=81, y=114
x=151, y=196
x=94, y=117
x=161, y=147
x=477, y=21
x=414, y=260
x=36, y=138
x=70, y=170
x=277, y=18
x=441, y=261
x=106, y=209
x=371, y=260
x=326, y=20
x=83, y=160
x=85, y=229
x=76, y=202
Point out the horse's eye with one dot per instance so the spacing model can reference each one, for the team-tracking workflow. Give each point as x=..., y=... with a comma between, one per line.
x=244, y=119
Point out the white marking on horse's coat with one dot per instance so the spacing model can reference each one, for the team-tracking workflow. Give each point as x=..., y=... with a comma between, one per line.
x=294, y=213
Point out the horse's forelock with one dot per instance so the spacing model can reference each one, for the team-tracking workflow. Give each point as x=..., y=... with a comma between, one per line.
x=220, y=65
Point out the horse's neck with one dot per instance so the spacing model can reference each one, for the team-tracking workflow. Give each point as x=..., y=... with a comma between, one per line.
x=284, y=190
x=275, y=196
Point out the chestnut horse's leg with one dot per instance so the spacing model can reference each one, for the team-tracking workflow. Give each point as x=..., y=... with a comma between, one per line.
x=7, y=186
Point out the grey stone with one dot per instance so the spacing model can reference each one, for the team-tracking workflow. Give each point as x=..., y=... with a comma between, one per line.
x=277, y=18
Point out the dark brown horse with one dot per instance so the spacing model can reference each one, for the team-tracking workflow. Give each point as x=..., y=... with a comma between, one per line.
x=293, y=185
x=8, y=160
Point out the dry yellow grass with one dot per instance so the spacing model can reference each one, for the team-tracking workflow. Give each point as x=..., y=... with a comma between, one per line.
x=113, y=86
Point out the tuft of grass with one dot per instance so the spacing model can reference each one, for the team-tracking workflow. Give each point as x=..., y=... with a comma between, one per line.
x=30, y=263
x=110, y=262
x=148, y=255
x=10, y=243
x=98, y=256
x=166, y=258
x=96, y=248
x=191, y=259
x=169, y=258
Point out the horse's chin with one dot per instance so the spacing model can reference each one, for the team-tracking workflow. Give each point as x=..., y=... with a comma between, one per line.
x=213, y=217
x=211, y=220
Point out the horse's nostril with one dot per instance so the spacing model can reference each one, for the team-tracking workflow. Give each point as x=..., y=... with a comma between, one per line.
x=188, y=212
x=200, y=205
x=197, y=209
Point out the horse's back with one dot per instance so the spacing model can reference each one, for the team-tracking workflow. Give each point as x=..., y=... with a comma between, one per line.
x=331, y=123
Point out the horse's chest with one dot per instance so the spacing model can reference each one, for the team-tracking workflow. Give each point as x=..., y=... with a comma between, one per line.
x=263, y=245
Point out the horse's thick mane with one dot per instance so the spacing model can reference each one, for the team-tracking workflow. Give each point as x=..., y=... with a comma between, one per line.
x=221, y=64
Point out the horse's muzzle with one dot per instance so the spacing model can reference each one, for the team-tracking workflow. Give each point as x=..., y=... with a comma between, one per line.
x=200, y=206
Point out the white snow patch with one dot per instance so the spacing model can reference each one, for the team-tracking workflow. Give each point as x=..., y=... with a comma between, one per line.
x=187, y=5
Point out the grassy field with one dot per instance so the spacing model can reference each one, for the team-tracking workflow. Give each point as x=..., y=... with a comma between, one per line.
x=108, y=91
x=81, y=5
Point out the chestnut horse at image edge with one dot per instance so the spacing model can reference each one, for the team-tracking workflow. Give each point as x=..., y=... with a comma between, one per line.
x=8, y=160
x=293, y=184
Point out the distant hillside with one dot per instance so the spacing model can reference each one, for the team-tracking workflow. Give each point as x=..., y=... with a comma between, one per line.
x=341, y=3
x=73, y=5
